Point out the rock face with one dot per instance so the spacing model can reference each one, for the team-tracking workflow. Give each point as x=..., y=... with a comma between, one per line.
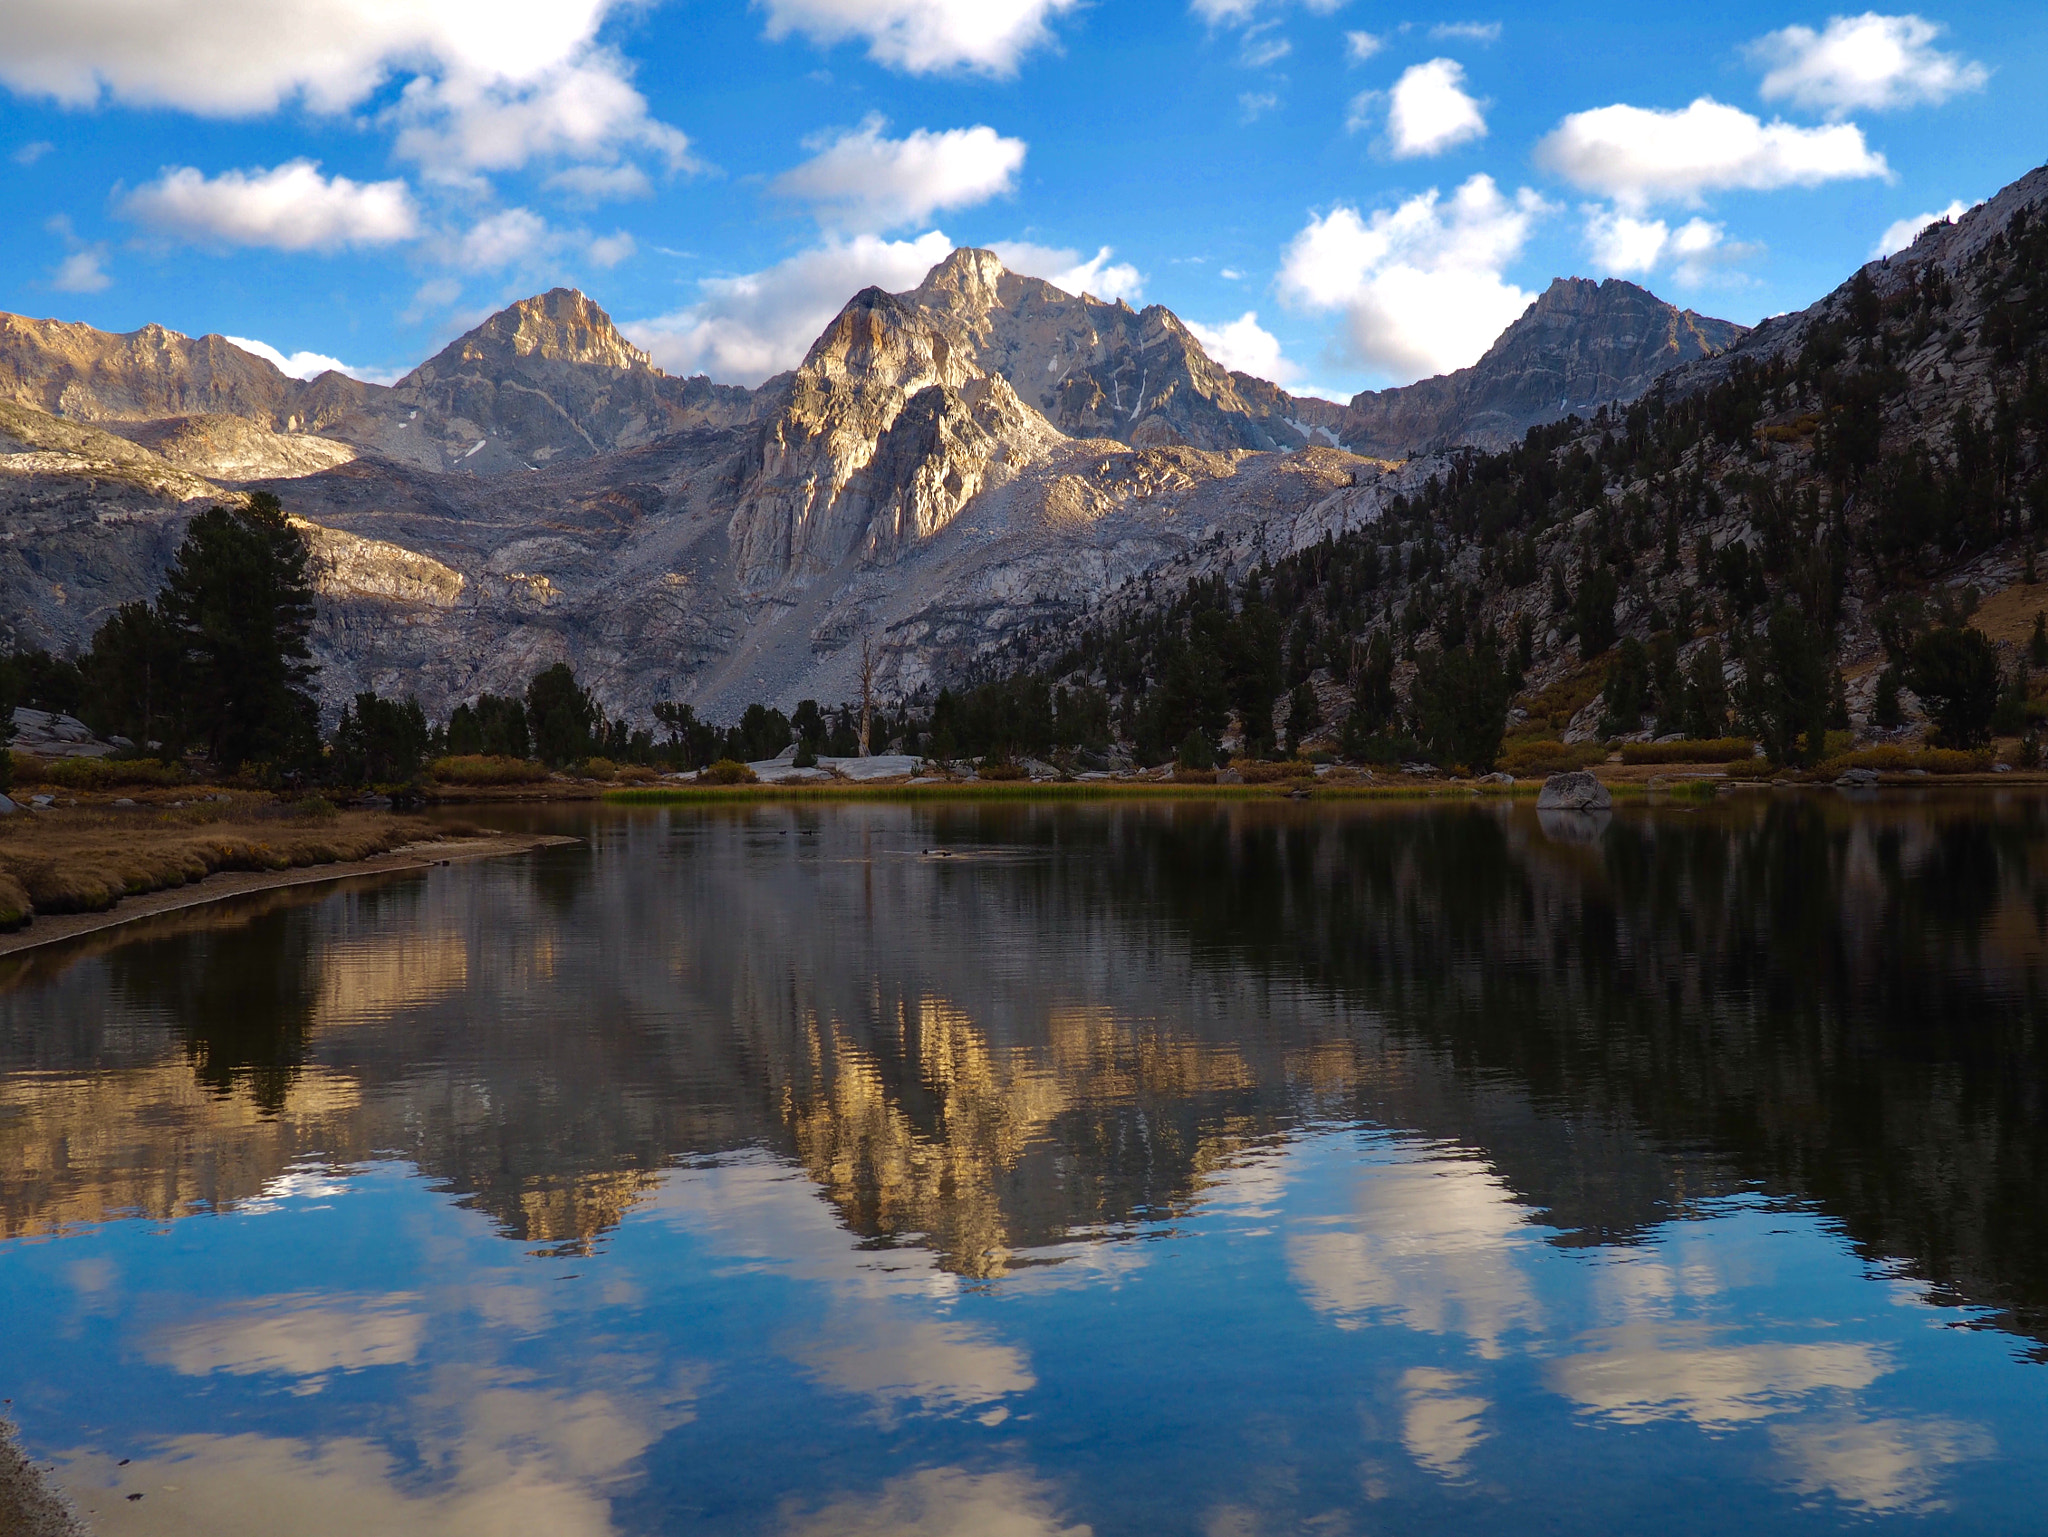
x=1097, y=370
x=1579, y=346
x=1576, y=791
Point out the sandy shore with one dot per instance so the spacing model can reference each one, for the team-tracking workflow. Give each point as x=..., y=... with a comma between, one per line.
x=57, y=928
x=28, y=1508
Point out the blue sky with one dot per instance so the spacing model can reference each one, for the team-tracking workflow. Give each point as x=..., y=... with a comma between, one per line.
x=1338, y=193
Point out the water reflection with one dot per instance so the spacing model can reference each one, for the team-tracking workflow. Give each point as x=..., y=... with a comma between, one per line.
x=1202, y=1167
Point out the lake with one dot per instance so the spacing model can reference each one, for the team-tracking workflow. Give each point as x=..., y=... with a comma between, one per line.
x=1013, y=1169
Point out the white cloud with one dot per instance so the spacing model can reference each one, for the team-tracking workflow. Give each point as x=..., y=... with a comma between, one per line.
x=1641, y=155
x=1253, y=105
x=1420, y=287
x=600, y=183
x=1431, y=110
x=82, y=272
x=1244, y=346
x=233, y=58
x=512, y=235
x=861, y=181
x=582, y=110
x=1627, y=246
x=1262, y=46
x=289, y=208
x=1360, y=46
x=1903, y=232
x=742, y=329
x=1868, y=61
x=32, y=151
x=610, y=250
x=1063, y=267
x=311, y=365
x=494, y=83
x=1466, y=31
x=925, y=36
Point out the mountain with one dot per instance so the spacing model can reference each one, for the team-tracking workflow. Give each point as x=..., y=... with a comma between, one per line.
x=950, y=471
x=1767, y=528
x=1580, y=346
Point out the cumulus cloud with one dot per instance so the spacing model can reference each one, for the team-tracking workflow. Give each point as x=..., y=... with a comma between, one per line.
x=1063, y=267
x=1431, y=111
x=233, y=58
x=743, y=329
x=925, y=36
x=311, y=365
x=860, y=180
x=1360, y=46
x=582, y=110
x=1641, y=155
x=1420, y=288
x=1625, y=245
x=82, y=272
x=1244, y=346
x=1901, y=233
x=492, y=86
x=1863, y=62
x=291, y=207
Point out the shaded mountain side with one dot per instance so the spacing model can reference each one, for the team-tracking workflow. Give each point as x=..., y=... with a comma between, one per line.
x=1580, y=346
x=1757, y=544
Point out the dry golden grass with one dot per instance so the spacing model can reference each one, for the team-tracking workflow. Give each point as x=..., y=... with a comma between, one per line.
x=1728, y=749
x=1270, y=773
x=85, y=859
x=477, y=769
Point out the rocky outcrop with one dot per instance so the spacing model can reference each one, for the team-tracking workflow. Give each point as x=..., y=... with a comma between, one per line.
x=235, y=447
x=889, y=430
x=1100, y=370
x=1581, y=345
x=82, y=374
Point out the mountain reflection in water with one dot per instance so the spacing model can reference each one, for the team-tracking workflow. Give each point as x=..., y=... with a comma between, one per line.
x=1691, y=1125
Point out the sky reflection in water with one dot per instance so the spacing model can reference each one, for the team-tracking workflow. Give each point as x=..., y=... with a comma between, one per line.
x=1205, y=1169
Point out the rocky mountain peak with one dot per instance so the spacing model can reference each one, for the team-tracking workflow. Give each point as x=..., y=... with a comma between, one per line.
x=1578, y=346
x=559, y=326
x=968, y=279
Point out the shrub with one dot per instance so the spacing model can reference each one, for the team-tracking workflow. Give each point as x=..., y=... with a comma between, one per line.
x=1541, y=755
x=729, y=771
x=1727, y=749
x=637, y=774
x=600, y=768
x=1899, y=760
x=1270, y=773
x=1002, y=768
x=482, y=769
x=99, y=773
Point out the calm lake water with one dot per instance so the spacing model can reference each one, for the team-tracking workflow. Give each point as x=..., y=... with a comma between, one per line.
x=1025, y=1169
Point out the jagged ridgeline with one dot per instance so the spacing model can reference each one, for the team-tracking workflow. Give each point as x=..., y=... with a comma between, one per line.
x=1760, y=542
x=949, y=472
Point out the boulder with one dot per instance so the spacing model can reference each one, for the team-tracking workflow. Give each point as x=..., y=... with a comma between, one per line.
x=1857, y=779
x=1576, y=791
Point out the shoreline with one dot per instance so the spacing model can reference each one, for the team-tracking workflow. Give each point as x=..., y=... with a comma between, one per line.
x=56, y=928
x=30, y=1505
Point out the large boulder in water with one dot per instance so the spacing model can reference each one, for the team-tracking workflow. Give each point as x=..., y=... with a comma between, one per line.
x=1576, y=791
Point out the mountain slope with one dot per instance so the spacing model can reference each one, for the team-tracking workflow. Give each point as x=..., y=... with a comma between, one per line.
x=1581, y=345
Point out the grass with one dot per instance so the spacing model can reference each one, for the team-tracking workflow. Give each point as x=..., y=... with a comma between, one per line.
x=1522, y=756
x=86, y=859
x=478, y=769
x=97, y=773
x=1731, y=749
x=1903, y=760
